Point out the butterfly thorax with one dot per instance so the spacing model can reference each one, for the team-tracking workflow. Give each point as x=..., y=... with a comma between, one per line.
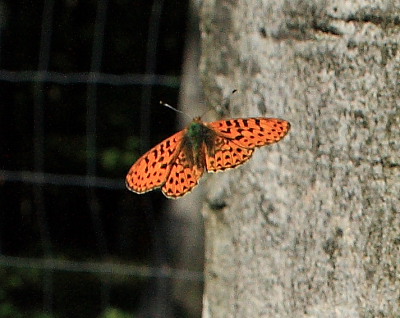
x=197, y=138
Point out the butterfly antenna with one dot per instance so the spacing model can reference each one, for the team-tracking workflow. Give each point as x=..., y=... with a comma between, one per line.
x=223, y=101
x=174, y=109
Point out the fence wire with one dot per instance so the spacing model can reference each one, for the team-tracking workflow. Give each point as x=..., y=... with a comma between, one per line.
x=90, y=78
x=43, y=178
x=52, y=264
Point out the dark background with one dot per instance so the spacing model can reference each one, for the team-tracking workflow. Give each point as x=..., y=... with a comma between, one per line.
x=68, y=125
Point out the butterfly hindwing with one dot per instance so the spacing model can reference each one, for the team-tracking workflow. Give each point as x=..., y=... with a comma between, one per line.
x=227, y=154
x=183, y=177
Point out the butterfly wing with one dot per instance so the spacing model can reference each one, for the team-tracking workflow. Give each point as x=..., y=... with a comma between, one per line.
x=236, y=139
x=152, y=169
x=183, y=177
x=227, y=154
x=251, y=132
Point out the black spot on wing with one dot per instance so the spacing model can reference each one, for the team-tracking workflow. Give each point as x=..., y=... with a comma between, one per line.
x=227, y=131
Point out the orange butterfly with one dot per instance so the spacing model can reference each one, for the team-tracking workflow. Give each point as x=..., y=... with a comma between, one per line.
x=177, y=163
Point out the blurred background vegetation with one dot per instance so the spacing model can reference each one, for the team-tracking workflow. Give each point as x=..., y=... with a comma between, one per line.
x=44, y=126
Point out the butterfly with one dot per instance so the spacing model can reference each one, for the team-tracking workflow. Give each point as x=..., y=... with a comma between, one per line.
x=176, y=164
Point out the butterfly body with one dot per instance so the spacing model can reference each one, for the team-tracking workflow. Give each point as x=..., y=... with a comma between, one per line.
x=197, y=138
x=177, y=163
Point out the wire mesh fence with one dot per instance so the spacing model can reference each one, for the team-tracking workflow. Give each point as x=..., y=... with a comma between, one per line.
x=79, y=81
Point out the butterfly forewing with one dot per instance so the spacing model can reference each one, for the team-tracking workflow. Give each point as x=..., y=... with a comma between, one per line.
x=152, y=169
x=251, y=132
